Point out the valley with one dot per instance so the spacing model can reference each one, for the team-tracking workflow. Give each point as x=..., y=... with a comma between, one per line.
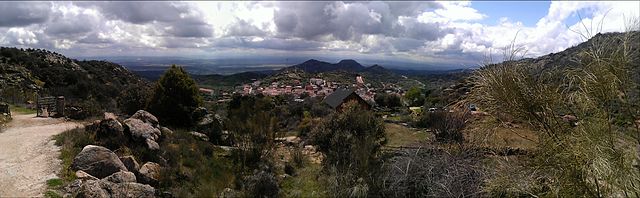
x=136, y=99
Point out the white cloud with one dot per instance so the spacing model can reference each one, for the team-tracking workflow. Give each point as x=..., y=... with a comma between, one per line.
x=420, y=31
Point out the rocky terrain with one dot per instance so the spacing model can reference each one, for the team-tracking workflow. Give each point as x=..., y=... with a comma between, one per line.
x=27, y=72
x=100, y=172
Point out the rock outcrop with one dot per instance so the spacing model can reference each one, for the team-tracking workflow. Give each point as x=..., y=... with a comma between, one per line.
x=149, y=173
x=121, y=177
x=131, y=163
x=146, y=117
x=199, y=136
x=106, y=189
x=97, y=161
x=141, y=131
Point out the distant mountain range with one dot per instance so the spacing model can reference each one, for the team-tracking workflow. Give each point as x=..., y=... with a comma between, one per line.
x=315, y=66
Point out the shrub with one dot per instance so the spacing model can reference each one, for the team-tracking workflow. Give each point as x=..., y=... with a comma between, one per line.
x=175, y=96
x=446, y=126
x=593, y=158
x=253, y=127
x=262, y=184
x=351, y=141
x=434, y=173
x=134, y=98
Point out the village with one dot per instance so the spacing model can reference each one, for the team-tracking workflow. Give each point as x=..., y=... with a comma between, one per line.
x=314, y=87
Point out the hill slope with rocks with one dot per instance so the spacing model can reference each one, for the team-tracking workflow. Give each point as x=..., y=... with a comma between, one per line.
x=26, y=72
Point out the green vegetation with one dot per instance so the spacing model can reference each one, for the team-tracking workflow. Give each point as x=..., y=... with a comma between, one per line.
x=305, y=183
x=52, y=194
x=21, y=110
x=54, y=183
x=134, y=98
x=194, y=168
x=414, y=97
x=587, y=144
x=175, y=96
x=351, y=141
x=398, y=136
x=71, y=143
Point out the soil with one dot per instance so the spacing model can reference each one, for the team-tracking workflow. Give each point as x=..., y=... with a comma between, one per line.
x=28, y=155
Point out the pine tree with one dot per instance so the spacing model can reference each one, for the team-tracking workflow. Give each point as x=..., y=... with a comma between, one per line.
x=175, y=97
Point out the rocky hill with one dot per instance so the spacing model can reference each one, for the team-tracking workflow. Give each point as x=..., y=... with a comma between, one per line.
x=26, y=72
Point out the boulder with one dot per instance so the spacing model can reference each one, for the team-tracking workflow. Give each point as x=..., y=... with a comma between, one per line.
x=199, y=136
x=152, y=145
x=130, y=162
x=109, y=116
x=121, y=177
x=149, y=173
x=199, y=112
x=103, y=188
x=206, y=120
x=146, y=117
x=84, y=175
x=141, y=131
x=109, y=128
x=166, y=131
x=93, y=188
x=97, y=161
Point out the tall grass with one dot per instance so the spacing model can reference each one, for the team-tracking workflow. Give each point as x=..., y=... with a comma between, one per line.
x=596, y=157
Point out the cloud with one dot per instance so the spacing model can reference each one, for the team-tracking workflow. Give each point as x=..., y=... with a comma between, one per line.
x=430, y=32
x=243, y=28
x=18, y=14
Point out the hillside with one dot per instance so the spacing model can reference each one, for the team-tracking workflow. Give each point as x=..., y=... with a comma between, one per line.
x=227, y=81
x=315, y=66
x=25, y=72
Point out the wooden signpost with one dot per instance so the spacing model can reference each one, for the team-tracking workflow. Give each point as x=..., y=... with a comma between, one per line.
x=50, y=106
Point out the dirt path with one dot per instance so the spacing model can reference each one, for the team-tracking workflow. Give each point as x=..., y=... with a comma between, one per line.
x=28, y=156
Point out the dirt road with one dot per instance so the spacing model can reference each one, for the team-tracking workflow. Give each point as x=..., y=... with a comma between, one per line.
x=28, y=156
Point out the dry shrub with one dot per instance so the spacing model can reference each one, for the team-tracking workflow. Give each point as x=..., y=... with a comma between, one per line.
x=434, y=173
x=593, y=158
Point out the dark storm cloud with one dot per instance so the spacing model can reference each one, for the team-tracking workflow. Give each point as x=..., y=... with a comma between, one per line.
x=406, y=44
x=191, y=30
x=139, y=12
x=183, y=19
x=423, y=31
x=13, y=14
x=352, y=20
x=72, y=25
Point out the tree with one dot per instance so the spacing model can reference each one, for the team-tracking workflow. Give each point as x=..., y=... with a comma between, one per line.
x=388, y=100
x=414, y=96
x=134, y=98
x=175, y=96
x=351, y=141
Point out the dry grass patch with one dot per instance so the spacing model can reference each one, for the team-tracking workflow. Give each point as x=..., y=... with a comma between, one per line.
x=398, y=135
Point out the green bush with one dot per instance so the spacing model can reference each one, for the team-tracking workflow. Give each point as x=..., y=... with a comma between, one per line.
x=134, y=98
x=253, y=127
x=351, y=141
x=175, y=96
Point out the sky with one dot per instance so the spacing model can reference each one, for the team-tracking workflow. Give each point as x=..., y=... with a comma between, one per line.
x=450, y=33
